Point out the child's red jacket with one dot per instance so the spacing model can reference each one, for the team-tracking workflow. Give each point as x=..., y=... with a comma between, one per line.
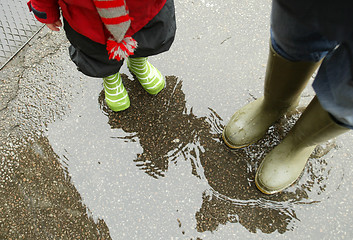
x=83, y=16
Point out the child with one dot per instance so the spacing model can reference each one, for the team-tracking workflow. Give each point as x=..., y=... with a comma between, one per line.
x=104, y=33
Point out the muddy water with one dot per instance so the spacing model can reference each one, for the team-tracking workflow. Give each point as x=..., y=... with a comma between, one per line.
x=159, y=170
x=71, y=168
x=155, y=171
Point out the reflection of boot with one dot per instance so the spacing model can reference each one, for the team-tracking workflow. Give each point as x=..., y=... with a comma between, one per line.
x=284, y=82
x=284, y=164
x=116, y=95
x=149, y=76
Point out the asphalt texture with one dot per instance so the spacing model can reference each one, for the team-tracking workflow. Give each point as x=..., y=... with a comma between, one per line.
x=72, y=169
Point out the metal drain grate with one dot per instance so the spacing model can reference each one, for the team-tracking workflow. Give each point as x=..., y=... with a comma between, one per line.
x=17, y=27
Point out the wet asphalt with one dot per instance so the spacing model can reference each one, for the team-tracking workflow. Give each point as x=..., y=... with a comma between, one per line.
x=72, y=169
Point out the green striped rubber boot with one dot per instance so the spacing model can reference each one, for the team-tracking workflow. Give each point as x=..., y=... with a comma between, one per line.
x=150, y=78
x=116, y=95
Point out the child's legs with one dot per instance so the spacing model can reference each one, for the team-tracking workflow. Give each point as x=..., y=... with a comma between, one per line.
x=91, y=58
x=158, y=35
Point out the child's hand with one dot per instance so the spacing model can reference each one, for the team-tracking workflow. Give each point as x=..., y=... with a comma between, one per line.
x=54, y=26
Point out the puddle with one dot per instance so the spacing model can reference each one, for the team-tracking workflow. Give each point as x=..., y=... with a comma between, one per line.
x=159, y=166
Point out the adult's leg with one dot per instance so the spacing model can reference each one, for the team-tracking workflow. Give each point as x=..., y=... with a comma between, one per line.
x=295, y=52
x=328, y=115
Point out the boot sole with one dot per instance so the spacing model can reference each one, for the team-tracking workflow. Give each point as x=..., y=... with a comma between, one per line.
x=119, y=108
x=275, y=191
x=263, y=190
x=233, y=146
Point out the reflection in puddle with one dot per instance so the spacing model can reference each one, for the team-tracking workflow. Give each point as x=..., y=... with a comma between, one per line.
x=83, y=179
x=39, y=199
x=168, y=132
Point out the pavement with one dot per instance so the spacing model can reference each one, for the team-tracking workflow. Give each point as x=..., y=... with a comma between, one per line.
x=72, y=169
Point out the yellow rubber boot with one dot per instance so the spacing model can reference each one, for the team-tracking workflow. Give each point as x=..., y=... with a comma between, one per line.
x=284, y=164
x=284, y=82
